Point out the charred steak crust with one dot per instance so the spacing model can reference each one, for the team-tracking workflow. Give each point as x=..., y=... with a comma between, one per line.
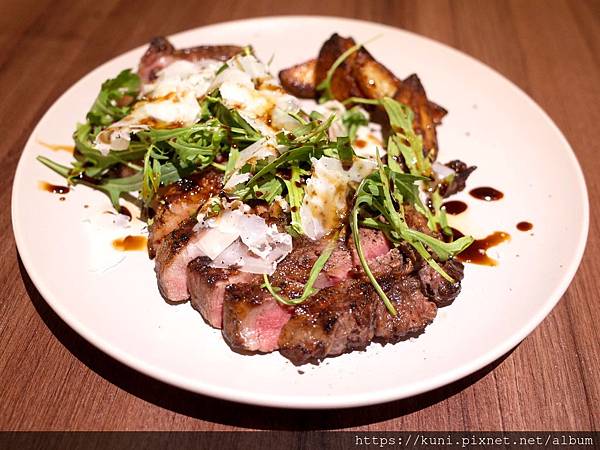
x=172, y=260
x=414, y=310
x=350, y=315
x=335, y=320
x=180, y=200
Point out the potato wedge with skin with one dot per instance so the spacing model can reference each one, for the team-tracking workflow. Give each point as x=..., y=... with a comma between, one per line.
x=343, y=83
x=361, y=75
x=299, y=80
x=412, y=93
x=373, y=78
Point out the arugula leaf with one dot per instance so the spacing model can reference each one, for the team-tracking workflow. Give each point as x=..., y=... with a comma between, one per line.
x=301, y=153
x=404, y=140
x=114, y=100
x=295, y=195
x=381, y=192
x=112, y=187
x=345, y=152
x=363, y=197
x=439, y=217
x=95, y=162
x=352, y=119
x=234, y=154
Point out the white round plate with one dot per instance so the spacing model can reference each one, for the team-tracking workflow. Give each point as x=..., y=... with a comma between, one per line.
x=111, y=298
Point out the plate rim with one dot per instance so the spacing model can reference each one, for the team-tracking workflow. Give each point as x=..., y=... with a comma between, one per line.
x=310, y=402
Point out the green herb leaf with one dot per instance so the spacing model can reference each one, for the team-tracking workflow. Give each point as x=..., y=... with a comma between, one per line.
x=295, y=195
x=352, y=119
x=115, y=99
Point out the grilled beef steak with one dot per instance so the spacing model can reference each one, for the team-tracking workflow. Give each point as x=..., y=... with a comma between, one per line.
x=350, y=315
x=345, y=313
x=161, y=53
x=179, y=201
x=206, y=286
x=173, y=255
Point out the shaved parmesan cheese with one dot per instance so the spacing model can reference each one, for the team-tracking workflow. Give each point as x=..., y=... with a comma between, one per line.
x=238, y=238
x=325, y=198
x=235, y=179
x=261, y=149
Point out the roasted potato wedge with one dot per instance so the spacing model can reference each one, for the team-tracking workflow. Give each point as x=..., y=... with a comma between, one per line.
x=412, y=93
x=373, y=78
x=361, y=75
x=299, y=80
x=343, y=83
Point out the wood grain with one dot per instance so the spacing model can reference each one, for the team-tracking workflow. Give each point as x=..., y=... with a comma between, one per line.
x=54, y=380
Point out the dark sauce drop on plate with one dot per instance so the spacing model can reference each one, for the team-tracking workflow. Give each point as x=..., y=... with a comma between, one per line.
x=455, y=207
x=524, y=226
x=53, y=188
x=476, y=252
x=486, y=193
x=130, y=243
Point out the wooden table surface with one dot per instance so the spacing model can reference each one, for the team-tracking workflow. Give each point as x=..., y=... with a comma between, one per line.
x=51, y=379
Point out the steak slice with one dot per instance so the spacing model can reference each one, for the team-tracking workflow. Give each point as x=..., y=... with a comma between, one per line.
x=414, y=310
x=161, y=53
x=350, y=315
x=175, y=252
x=292, y=273
x=333, y=321
x=252, y=318
x=206, y=286
x=439, y=290
x=180, y=200
x=373, y=244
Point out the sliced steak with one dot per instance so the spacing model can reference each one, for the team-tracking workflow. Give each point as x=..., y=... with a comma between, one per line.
x=173, y=255
x=292, y=273
x=399, y=261
x=436, y=287
x=333, y=321
x=350, y=315
x=338, y=267
x=180, y=200
x=414, y=310
x=161, y=53
x=206, y=286
x=252, y=318
x=373, y=244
